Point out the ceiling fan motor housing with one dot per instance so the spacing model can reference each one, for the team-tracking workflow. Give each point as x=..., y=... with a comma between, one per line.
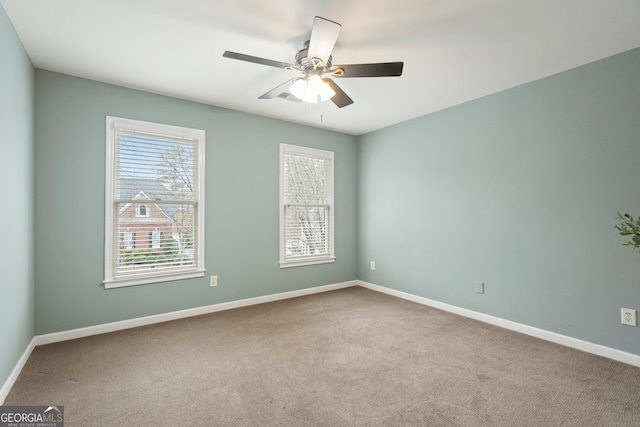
x=309, y=65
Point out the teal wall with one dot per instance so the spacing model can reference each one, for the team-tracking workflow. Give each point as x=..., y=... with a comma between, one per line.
x=518, y=189
x=16, y=208
x=241, y=205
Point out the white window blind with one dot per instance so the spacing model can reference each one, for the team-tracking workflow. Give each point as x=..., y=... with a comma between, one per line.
x=306, y=216
x=154, y=203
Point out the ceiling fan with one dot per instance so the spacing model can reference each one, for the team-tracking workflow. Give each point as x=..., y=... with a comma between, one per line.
x=314, y=61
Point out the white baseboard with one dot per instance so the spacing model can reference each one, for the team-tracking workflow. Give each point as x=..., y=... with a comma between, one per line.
x=567, y=341
x=6, y=387
x=174, y=315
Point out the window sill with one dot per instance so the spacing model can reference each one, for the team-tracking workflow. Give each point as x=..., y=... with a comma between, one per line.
x=143, y=280
x=306, y=261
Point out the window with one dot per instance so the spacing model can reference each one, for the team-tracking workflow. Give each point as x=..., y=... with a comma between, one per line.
x=129, y=239
x=306, y=206
x=142, y=210
x=155, y=239
x=163, y=167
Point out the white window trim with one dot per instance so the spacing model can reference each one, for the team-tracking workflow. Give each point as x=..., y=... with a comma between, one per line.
x=140, y=278
x=324, y=259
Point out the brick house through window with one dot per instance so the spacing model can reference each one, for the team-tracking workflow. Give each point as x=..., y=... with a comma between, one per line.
x=144, y=225
x=153, y=233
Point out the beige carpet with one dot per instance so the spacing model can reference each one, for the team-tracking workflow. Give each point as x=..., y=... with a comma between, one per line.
x=351, y=357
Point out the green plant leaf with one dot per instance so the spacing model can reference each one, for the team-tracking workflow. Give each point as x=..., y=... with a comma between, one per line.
x=629, y=227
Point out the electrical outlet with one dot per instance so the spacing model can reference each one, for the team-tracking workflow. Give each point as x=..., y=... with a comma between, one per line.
x=480, y=287
x=628, y=317
x=213, y=281
x=373, y=265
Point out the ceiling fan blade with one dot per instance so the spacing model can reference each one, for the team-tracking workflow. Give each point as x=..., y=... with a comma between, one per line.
x=256, y=60
x=380, y=69
x=323, y=38
x=284, y=87
x=341, y=99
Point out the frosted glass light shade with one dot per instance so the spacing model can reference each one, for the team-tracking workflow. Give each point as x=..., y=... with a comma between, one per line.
x=311, y=89
x=299, y=88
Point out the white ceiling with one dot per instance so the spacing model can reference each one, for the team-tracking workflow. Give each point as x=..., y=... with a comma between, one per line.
x=453, y=50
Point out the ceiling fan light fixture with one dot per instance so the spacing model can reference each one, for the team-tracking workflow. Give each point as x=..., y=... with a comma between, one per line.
x=311, y=89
